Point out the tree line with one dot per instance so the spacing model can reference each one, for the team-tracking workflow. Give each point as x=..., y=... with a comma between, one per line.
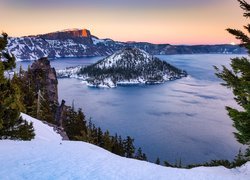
x=12, y=126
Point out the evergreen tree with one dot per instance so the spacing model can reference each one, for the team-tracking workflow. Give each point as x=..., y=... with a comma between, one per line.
x=12, y=126
x=107, y=141
x=144, y=157
x=158, y=161
x=238, y=79
x=121, y=146
x=75, y=125
x=129, y=147
x=27, y=87
x=180, y=163
x=239, y=160
x=100, y=137
x=139, y=154
x=167, y=164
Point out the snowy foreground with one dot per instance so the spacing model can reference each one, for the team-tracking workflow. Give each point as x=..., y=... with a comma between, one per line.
x=48, y=157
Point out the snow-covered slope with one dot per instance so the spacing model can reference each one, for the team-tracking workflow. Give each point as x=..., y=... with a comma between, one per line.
x=47, y=157
x=33, y=48
x=66, y=43
x=43, y=131
x=125, y=58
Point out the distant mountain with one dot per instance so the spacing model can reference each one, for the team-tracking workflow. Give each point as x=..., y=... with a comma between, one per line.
x=127, y=66
x=80, y=43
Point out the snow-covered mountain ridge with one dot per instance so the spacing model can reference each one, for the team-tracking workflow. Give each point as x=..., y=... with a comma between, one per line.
x=127, y=66
x=80, y=43
x=48, y=157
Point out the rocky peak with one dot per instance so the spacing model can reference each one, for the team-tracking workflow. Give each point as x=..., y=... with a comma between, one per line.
x=85, y=33
x=69, y=33
x=45, y=79
x=78, y=32
x=42, y=63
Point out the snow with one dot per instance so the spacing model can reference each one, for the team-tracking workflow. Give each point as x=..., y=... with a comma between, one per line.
x=43, y=131
x=48, y=157
x=32, y=48
x=105, y=83
x=97, y=41
x=71, y=72
x=119, y=56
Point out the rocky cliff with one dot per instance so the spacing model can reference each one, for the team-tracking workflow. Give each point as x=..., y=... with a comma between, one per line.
x=84, y=33
x=80, y=42
x=45, y=79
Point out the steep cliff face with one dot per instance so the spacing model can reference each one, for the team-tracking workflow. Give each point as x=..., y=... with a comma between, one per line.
x=45, y=79
x=69, y=34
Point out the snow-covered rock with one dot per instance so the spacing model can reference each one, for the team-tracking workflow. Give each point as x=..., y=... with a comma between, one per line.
x=48, y=157
x=69, y=72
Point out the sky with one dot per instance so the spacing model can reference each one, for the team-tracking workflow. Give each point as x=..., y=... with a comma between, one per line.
x=155, y=21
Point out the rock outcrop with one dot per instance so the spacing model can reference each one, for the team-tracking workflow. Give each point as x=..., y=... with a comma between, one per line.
x=68, y=34
x=45, y=79
x=83, y=34
x=60, y=114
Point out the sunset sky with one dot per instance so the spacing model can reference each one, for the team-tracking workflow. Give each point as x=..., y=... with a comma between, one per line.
x=156, y=21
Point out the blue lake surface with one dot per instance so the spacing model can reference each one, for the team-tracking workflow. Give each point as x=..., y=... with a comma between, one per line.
x=183, y=119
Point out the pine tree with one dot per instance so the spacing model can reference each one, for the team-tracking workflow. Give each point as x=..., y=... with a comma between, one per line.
x=158, y=161
x=167, y=164
x=239, y=160
x=121, y=146
x=144, y=157
x=100, y=137
x=238, y=79
x=12, y=126
x=180, y=163
x=139, y=154
x=107, y=141
x=27, y=86
x=129, y=147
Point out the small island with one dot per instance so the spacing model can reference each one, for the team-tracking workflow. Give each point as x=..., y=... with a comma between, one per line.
x=127, y=66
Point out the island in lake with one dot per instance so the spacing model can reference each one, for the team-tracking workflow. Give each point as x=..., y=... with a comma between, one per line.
x=127, y=66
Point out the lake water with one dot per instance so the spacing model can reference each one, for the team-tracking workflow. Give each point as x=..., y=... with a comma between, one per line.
x=183, y=119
